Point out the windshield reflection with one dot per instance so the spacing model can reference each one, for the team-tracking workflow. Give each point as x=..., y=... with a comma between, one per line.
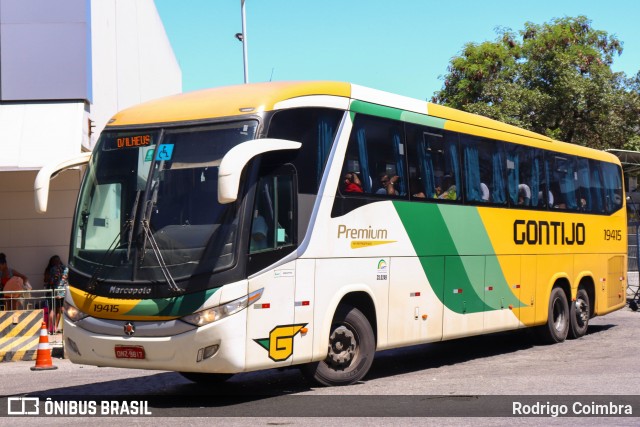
x=151, y=209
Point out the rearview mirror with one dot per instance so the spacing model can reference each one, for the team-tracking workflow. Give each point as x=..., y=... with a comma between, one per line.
x=48, y=172
x=237, y=158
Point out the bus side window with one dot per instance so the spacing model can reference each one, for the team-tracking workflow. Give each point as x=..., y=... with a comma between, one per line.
x=612, y=187
x=597, y=187
x=483, y=163
x=434, y=170
x=584, y=184
x=518, y=175
x=550, y=190
x=564, y=181
x=315, y=128
x=272, y=220
x=376, y=153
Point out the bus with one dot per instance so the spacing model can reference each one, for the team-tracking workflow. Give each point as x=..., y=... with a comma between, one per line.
x=312, y=224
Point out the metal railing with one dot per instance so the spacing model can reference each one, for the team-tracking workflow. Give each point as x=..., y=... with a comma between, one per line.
x=41, y=299
x=633, y=245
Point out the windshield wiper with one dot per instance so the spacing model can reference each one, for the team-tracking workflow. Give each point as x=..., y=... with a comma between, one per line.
x=148, y=235
x=155, y=248
x=131, y=222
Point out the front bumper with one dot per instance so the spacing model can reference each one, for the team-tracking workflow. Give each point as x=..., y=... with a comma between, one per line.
x=173, y=350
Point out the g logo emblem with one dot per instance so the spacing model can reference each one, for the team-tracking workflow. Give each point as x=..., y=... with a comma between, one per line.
x=280, y=341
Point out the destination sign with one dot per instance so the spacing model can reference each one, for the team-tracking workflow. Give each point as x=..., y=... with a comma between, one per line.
x=133, y=141
x=140, y=140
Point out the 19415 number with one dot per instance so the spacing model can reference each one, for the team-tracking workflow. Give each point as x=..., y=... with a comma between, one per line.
x=106, y=308
x=612, y=234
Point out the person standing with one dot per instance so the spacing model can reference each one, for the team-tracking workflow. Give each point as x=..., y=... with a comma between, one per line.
x=57, y=273
x=17, y=279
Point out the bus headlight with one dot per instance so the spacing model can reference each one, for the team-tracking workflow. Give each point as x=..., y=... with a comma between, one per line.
x=213, y=314
x=72, y=312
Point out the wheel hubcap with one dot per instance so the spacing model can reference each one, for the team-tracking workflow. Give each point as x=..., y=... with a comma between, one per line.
x=558, y=315
x=582, y=314
x=342, y=348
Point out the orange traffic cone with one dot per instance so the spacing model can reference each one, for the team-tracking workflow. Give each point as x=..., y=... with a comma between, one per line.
x=43, y=357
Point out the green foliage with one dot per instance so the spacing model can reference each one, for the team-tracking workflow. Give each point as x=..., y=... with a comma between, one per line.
x=554, y=79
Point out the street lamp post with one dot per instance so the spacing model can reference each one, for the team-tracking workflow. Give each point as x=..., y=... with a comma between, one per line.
x=244, y=43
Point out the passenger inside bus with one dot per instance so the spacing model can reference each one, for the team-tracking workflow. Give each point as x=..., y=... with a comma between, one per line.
x=388, y=184
x=524, y=195
x=352, y=183
x=550, y=200
x=450, y=192
x=484, y=192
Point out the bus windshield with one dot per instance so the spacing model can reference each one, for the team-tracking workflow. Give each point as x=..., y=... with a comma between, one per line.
x=148, y=205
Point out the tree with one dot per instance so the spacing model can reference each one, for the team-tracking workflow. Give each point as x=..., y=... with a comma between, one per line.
x=554, y=79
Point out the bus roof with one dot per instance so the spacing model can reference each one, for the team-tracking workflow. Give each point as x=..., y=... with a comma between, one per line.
x=237, y=100
x=224, y=102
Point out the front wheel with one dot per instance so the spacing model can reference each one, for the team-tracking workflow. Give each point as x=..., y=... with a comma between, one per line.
x=579, y=314
x=350, y=350
x=557, y=327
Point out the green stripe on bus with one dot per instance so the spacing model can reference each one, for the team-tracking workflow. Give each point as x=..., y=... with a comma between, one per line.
x=477, y=242
x=421, y=119
x=174, y=307
x=429, y=235
x=396, y=114
x=375, y=110
x=466, y=229
x=468, y=259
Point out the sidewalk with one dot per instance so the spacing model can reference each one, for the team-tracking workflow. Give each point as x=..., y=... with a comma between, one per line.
x=56, y=342
x=633, y=281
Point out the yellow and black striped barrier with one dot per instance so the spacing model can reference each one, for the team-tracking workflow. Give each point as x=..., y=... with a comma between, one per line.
x=19, y=334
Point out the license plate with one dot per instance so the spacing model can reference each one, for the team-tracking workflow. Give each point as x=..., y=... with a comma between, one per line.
x=129, y=352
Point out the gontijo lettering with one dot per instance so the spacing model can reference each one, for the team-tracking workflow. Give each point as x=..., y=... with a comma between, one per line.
x=548, y=233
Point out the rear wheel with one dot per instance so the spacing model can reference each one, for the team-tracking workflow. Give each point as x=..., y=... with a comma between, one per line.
x=350, y=350
x=205, y=378
x=557, y=327
x=579, y=313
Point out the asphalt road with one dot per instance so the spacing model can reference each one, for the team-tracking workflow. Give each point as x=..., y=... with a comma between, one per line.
x=478, y=378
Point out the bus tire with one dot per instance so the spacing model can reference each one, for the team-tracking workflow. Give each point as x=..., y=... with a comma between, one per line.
x=579, y=313
x=557, y=327
x=205, y=378
x=351, y=349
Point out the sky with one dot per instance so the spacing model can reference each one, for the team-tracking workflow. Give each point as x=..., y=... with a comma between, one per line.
x=400, y=46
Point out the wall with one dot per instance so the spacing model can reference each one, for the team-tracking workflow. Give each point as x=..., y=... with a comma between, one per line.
x=30, y=239
x=130, y=61
x=45, y=50
x=132, y=58
x=35, y=133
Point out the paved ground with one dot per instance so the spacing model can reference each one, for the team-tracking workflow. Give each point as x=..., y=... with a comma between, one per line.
x=468, y=373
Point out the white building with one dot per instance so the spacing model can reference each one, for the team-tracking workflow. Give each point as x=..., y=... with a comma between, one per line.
x=66, y=67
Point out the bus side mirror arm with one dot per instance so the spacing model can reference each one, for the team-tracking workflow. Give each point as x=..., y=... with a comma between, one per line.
x=236, y=159
x=48, y=172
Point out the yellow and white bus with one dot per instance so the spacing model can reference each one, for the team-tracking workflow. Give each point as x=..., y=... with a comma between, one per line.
x=314, y=223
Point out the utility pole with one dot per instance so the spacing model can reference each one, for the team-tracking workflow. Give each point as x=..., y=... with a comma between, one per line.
x=244, y=43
